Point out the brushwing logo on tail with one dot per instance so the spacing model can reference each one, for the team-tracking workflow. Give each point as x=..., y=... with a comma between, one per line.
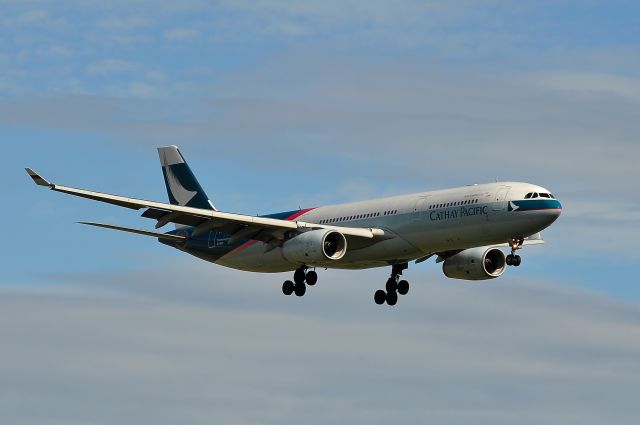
x=182, y=195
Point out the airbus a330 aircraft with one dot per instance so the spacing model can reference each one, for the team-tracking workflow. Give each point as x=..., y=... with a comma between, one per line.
x=464, y=227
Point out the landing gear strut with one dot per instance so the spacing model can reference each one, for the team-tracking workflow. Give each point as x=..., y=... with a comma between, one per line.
x=513, y=259
x=393, y=287
x=301, y=278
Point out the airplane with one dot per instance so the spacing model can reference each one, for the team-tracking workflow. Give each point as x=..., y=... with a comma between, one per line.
x=464, y=227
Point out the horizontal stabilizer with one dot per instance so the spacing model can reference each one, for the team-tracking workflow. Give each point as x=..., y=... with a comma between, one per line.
x=165, y=236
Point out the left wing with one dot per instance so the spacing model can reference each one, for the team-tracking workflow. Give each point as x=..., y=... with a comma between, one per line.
x=239, y=226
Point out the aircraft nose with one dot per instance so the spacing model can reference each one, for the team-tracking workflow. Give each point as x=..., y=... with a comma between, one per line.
x=552, y=211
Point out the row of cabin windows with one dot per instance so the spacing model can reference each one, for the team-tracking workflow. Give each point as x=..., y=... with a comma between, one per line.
x=453, y=204
x=357, y=217
x=531, y=195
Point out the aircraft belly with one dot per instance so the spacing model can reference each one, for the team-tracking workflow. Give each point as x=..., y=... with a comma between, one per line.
x=432, y=236
x=381, y=252
x=252, y=257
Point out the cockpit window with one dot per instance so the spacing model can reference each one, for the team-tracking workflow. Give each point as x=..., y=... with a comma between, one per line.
x=528, y=195
x=535, y=195
x=551, y=196
x=544, y=195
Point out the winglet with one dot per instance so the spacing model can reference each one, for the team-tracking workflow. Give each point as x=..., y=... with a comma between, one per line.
x=37, y=178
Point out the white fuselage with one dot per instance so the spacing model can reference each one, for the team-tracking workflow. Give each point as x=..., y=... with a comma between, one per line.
x=417, y=225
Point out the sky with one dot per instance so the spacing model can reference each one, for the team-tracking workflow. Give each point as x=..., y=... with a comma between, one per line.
x=282, y=104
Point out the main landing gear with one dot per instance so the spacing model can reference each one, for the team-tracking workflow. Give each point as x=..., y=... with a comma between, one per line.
x=513, y=259
x=393, y=287
x=301, y=278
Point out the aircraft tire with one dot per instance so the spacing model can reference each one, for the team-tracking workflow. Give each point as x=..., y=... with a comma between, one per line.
x=403, y=287
x=300, y=289
x=509, y=260
x=312, y=277
x=298, y=276
x=287, y=287
x=392, y=285
x=517, y=260
x=380, y=297
x=392, y=298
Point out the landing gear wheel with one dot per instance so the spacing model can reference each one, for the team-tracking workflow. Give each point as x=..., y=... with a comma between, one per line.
x=392, y=298
x=380, y=297
x=300, y=289
x=403, y=287
x=298, y=276
x=392, y=285
x=312, y=278
x=287, y=287
x=513, y=259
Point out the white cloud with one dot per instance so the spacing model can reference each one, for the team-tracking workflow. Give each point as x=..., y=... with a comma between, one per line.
x=144, y=348
x=140, y=89
x=124, y=23
x=180, y=34
x=591, y=83
x=111, y=66
x=33, y=16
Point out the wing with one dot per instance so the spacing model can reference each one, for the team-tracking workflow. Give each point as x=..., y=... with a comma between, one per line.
x=239, y=226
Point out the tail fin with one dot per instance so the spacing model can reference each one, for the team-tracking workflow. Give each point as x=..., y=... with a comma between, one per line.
x=182, y=186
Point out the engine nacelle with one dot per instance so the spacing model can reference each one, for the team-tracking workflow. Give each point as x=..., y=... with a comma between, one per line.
x=316, y=247
x=475, y=264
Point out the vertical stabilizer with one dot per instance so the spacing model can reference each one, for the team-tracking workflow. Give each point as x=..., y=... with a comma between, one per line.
x=182, y=186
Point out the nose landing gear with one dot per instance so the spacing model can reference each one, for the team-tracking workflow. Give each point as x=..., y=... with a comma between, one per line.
x=513, y=259
x=301, y=278
x=393, y=287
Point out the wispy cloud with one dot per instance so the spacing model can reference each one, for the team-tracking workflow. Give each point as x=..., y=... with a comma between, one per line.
x=496, y=353
x=179, y=34
x=592, y=84
x=110, y=66
x=124, y=23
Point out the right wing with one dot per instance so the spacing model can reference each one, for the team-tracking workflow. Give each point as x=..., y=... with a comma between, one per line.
x=239, y=226
x=166, y=236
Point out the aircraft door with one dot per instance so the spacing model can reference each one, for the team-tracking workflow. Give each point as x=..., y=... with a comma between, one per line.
x=501, y=194
x=420, y=208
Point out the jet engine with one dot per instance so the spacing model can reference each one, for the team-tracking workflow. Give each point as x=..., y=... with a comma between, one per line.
x=475, y=264
x=315, y=247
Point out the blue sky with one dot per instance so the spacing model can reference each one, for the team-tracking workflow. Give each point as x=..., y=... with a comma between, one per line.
x=280, y=104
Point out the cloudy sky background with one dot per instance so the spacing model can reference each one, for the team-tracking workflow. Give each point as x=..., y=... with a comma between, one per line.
x=280, y=104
